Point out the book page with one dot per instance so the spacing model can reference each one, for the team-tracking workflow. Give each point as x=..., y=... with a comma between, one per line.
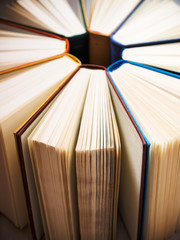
x=166, y=56
x=18, y=48
x=20, y=95
x=55, y=16
x=153, y=99
x=106, y=16
x=131, y=168
x=152, y=21
x=98, y=162
x=53, y=149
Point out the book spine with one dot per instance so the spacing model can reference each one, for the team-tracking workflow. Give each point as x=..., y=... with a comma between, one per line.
x=99, y=49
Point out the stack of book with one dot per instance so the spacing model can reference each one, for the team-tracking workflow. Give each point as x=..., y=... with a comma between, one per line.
x=90, y=118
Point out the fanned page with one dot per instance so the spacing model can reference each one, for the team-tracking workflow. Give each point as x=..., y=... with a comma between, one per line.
x=105, y=16
x=21, y=93
x=19, y=47
x=154, y=20
x=61, y=17
x=166, y=56
x=153, y=100
x=133, y=151
x=77, y=162
x=98, y=155
x=53, y=149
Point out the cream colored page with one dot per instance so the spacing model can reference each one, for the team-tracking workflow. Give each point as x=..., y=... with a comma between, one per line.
x=22, y=47
x=22, y=43
x=59, y=137
x=25, y=57
x=163, y=107
x=158, y=185
x=88, y=139
x=70, y=145
x=117, y=167
x=16, y=13
x=153, y=115
x=98, y=151
x=76, y=7
x=9, y=126
x=31, y=178
x=131, y=167
x=83, y=142
x=16, y=86
x=166, y=83
x=112, y=164
x=164, y=56
x=30, y=133
x=161, y=112
x=33, y=154
x=31, y=187
x=50, y=15
x=88, y=8
x=105, y=17
x=6, y=201
x=12, y=116
x=161, y=214
x=173, y=184
x=43, y=15
x=161, y=23
x=69, y=17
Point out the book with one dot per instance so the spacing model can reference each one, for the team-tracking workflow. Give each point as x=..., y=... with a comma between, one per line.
x=165, y=56
x=153, y=22
x=22, y=92
x=23, y=46
x=102, y=18
x=149, y=207
x=148, y=204
x=83, y=151
x=63, y=18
